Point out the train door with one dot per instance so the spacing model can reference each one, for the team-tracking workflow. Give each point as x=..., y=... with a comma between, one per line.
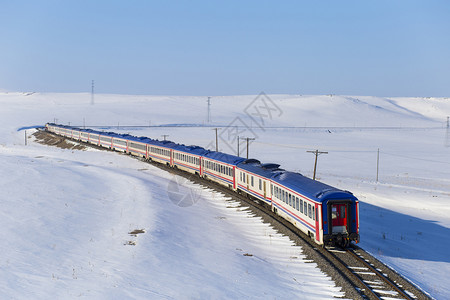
x=318, y=212
x=234, y=177
x=339, y=218
x=264, y=184
x=248, y=180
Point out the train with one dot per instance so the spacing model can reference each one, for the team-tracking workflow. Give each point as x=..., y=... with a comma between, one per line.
x=328, y=215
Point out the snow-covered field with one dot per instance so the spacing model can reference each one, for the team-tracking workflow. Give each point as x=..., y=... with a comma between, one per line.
x=66, y=215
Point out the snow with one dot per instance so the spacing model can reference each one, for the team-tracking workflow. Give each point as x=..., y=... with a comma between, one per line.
x=66, y=214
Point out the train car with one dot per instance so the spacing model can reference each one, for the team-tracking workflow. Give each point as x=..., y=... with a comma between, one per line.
x=328, y=215
x=161, y=151
x=120, y=142
x=221, y=168
x=76, y=134
x=105, y=139
x=84, y=135
x=253, y=178
x=137, y=146
x=188, y=158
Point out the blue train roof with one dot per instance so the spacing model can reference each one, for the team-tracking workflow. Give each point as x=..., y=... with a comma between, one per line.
x=255, y=166
x=223, y=157
x=197, y=150
x=312, y=189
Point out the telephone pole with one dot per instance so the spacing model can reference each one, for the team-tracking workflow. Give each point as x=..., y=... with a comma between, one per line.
x=238, y=145
x=247, y=139
x=317, y=153
x=209, y=110
x=217, y=140
x=164, y=136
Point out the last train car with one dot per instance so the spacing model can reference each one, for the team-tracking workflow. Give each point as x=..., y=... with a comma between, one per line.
x=328, y=215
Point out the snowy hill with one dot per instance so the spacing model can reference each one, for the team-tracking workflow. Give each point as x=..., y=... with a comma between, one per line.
x=66, y=214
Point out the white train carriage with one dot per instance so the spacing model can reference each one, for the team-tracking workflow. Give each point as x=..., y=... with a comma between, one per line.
x=94, y=138
x=298, y=209
x=221, y=168
x=188, y=158
x=105, y=140
x=160, y=151
x=138, y=146
x=254, y=179
x=120, y=143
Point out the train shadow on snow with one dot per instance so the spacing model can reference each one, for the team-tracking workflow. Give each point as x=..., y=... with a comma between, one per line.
x=389, y=233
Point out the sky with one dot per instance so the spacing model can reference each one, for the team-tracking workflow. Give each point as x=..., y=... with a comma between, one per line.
x=379, y=48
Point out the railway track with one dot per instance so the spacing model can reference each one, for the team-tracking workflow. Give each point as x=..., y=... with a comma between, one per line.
x=352, y=267
x=360, y=275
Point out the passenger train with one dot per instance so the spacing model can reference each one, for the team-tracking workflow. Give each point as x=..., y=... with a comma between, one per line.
x=328, y=215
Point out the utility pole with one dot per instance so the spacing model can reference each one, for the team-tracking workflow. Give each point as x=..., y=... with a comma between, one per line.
x=25, y=137
x=448, y=122
x=317, y=153
x=248, y=139
x=217, y=140
x=209, y=110
x=164, y=136
x=238, y=145
x=92, y=93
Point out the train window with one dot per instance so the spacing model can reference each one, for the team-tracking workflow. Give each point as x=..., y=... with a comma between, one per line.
x=317, y=214
x=290, y=200
x=296, y=203
x=252, y=181
x=284, y=197
x=244, y=177
x=313, y=213
x=309, y=210
x=301, y=205
x=260, y=185
x=305, y=208
x=342, y=211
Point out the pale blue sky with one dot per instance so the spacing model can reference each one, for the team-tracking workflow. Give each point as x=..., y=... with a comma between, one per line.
x=381, y=48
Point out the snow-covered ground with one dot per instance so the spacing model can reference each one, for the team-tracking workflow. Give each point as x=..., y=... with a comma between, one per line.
x=66, y=214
